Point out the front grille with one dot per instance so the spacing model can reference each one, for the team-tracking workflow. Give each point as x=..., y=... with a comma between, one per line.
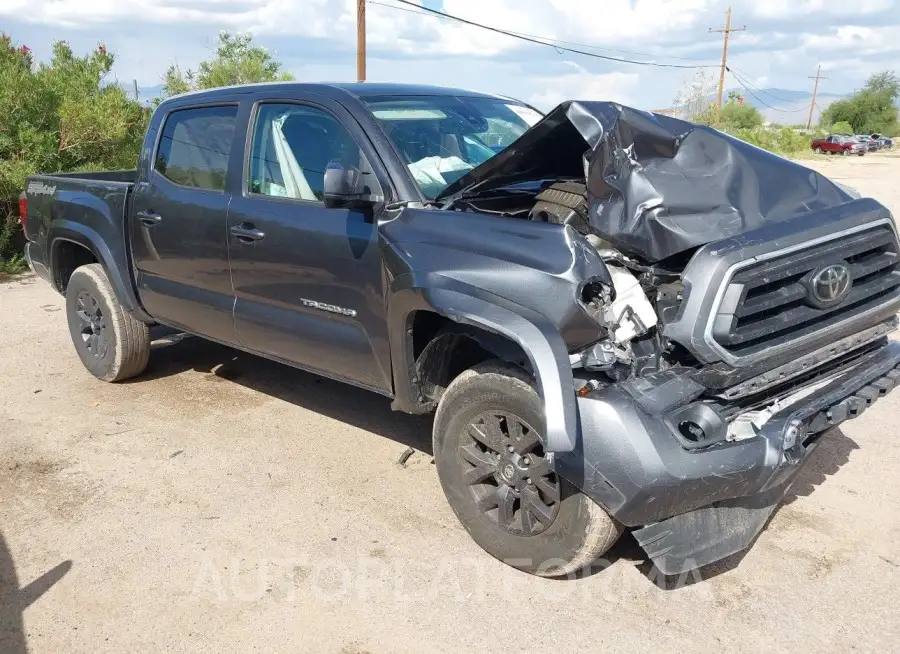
x=767, y=303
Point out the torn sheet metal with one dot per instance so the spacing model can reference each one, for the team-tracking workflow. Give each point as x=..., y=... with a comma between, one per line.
x=657, y=186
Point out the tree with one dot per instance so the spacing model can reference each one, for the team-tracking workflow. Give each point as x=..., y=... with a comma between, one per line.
x=884, y=82
x=693, y=98
x=871, y=110
x=741, y=116
x=842, y=127
x=236, y=61
x=736, y=114
x=59, y=116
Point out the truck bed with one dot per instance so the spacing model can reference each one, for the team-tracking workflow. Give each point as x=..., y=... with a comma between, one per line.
x=127, y=176
x=86, y=208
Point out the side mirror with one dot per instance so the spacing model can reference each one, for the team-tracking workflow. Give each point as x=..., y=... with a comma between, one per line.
x=345, y=188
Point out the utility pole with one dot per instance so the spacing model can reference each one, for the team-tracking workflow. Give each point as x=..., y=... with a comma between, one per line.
x=361, y=40
x=726, y=31
x=812, y=102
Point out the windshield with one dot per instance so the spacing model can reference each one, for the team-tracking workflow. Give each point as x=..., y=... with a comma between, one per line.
x=441, y=138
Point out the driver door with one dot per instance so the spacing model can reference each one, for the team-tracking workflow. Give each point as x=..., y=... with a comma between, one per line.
x=308, y=279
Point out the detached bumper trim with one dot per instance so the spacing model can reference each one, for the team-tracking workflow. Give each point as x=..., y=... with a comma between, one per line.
x=707, y=534
x=697, y=538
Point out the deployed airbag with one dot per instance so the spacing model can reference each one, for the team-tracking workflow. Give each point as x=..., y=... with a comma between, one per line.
x=656, y=186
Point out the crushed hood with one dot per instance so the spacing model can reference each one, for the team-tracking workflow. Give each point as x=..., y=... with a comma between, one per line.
x=656, y=186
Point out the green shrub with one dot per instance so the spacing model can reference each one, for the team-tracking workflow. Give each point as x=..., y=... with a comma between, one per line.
x=784, y=141
x=58, y=116
x=741, y=116
x=11, y=259
x=842, y=127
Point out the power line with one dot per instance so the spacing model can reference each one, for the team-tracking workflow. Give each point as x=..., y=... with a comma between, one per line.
x=760, y=100
x=550, y=41
x=541, y=40
x=733, y=68
x=406, y=9
x=744, y=84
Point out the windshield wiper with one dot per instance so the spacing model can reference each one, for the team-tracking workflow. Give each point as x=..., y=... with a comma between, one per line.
x=414, y=204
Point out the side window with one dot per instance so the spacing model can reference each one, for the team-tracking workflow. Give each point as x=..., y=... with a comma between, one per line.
x=195, y=146
x=292, y=147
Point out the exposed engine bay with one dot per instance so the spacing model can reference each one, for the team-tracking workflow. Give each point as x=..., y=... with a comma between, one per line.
x=648, y=193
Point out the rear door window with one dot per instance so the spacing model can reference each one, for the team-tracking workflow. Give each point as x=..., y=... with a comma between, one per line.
x=195, y=146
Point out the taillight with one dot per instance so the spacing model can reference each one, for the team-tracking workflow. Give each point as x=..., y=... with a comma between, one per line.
x=23, y=210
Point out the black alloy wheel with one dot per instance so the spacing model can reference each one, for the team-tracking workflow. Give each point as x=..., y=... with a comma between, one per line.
x=508, y=474
x=94, y=328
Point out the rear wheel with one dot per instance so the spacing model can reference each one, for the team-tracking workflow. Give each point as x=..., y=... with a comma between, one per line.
x=111, y=344
x=501, y=485
x=818, y=150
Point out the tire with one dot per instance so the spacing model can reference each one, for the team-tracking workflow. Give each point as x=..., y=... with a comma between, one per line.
x=563, y=203
x=818, y=150
x=845, y=152
x=111, y=344
x=573, y=530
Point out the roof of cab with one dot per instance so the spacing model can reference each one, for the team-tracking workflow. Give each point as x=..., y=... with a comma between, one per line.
x=335, y=89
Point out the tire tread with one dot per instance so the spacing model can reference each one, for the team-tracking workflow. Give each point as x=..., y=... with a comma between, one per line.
x=602, y=530
x=132, y=337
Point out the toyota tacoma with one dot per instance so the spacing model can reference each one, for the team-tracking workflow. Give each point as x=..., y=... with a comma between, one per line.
x=620, y=319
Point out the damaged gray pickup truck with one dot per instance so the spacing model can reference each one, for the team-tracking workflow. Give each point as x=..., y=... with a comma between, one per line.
x=622, y=320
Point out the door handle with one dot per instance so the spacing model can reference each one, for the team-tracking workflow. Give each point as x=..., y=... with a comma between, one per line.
x=148, y=218
x=247, y=233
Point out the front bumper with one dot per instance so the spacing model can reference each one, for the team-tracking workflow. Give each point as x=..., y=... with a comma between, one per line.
x=696, y=506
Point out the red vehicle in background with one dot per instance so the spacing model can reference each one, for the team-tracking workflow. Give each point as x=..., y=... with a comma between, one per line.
x=838, y=144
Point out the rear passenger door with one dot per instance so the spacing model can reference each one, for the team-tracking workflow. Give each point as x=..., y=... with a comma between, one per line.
x=179, y=214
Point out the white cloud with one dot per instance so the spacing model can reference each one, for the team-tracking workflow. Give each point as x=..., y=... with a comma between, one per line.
x=614, y=22
x=581, y=84
x=784, y=42
x=791, y=8
x=856, y=40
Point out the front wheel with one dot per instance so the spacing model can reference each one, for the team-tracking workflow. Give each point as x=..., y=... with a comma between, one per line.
x=111, y=344
x=845, y=152
x=498, y=480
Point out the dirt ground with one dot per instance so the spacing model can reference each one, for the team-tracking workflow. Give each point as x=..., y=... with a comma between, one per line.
x=225, y=503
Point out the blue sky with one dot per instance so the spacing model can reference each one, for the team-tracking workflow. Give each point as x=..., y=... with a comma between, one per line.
x=784, y=42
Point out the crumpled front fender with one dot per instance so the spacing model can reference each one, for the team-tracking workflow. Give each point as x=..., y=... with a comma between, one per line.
x=520, y=279
x=544, y=347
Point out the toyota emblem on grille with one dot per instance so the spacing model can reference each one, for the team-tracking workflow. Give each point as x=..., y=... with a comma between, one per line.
x=829, y=284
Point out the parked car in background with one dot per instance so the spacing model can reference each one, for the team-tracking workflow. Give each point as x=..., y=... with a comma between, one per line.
x=871, y=144
x=838, y=144
x=885, y=142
